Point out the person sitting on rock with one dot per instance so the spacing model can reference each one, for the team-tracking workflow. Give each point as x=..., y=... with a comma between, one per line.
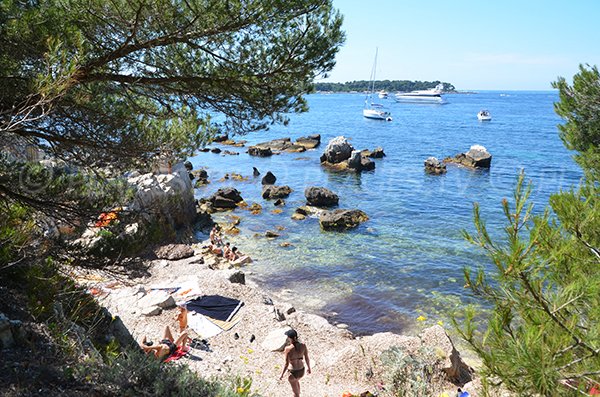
x=227, y=250
x=234, y=254
x=167, y=347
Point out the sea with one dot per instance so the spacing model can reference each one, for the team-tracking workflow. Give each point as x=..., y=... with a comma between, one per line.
x=403, y=268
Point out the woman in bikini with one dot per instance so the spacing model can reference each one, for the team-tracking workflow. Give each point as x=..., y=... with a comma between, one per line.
x=295, y=354
x=167, y=346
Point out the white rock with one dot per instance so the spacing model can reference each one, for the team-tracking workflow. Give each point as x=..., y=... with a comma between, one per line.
x=275, y=340
x=151, y=311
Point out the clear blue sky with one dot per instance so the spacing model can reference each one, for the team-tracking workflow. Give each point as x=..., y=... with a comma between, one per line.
x=475, y=45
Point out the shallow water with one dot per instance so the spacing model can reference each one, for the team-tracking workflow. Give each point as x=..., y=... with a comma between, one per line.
x=384, y=274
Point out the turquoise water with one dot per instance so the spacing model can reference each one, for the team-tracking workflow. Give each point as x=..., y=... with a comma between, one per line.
x=384, y=274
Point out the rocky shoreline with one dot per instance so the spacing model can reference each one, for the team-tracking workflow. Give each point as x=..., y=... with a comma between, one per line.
x=341, y=362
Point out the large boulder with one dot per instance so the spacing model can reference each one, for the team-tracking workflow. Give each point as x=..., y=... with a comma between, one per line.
x=337, y=150
x=174, y=252
x=476, y=157
x=272, y=191
x=320, y=197
x=225, y=198
x=456, y=370
x=341, y=219
x=276, y=340
x=434, y=166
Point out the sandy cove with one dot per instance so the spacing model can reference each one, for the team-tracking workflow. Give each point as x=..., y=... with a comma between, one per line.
x=340, y=362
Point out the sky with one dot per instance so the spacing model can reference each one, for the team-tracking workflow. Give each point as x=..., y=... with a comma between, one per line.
x=474, y=45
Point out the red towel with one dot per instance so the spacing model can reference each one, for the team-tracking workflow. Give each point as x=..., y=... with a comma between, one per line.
x=180, y=352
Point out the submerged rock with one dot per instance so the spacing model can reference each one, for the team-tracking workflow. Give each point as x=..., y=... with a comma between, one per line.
x=341, y=219
x=260, y=151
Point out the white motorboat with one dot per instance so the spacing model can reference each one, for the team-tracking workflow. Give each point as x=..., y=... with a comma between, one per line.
x=484, y=115
x=383, y=94
x=375, y=111
x=432, y=95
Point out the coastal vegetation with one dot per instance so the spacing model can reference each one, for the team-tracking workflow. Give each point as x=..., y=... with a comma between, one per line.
x=543, y=336
x=387, y=85
x=95, y=89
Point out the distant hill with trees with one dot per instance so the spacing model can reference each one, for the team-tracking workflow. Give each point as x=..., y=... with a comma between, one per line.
x=388, y=85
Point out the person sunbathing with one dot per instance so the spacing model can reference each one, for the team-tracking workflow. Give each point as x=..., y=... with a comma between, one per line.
x=215, y=236
x=234, y=254
x=167, y=347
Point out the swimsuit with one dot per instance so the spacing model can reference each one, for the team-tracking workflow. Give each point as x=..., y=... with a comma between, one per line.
x=170, y=344
x=297, y=373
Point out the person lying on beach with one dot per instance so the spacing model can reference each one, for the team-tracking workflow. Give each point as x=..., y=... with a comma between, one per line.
x=215, y=250
x=167, y=346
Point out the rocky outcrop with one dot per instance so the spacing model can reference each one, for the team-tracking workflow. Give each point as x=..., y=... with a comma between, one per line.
x=340, y=155
x=226, y=198
x=476, y=157
x=275, y=192
x=200, y=177
x=456, y=370
x=174, y=252
x=360, y=163
x=337, y=150
x=341, y=219
x=320, y=197
x=434, y=166
x=260, y=151
x=269, y=179
x=376, y=153
x=309, y=142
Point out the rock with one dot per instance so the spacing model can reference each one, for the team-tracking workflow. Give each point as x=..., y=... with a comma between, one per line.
x=341, y=219
x=434, y=166
x=457, y=371
x=188, y=165
x=230, y=153
x=174, y=252
x=302, y=211
x=320, y=197
x=157, y=298
x=260, y=151
x=309, y=142
x=236, y=277
x=366, y=165
x=225, y=198
x=275, y=340
x=215, y=150
x=295, y=149
x=276, y=144
x=6, y=335
x=221, y=138
x=298, y=217
x=269, y=179
x=377, y=153
x=279, y=202
x=151, y=311
x=204, y=150
x=271, y=234
x=272, y=191
x=476, y=157
x=337, y=150
x=255, y=171
x=354, y=160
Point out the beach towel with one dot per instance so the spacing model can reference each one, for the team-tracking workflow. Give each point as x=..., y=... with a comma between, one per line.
x=216, y=307
x=202, y=325
x=180, y=352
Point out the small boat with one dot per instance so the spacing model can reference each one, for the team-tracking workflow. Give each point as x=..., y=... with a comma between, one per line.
x=375, y=111
x=484, y=115
x=432, y=95
x=383, y=94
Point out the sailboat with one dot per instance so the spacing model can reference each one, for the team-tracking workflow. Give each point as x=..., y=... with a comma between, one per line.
x=375, y=110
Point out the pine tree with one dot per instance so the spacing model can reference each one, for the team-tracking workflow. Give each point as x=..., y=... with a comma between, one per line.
x=543, y=334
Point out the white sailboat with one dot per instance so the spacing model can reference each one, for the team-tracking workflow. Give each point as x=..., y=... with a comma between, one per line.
x=374, y=110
